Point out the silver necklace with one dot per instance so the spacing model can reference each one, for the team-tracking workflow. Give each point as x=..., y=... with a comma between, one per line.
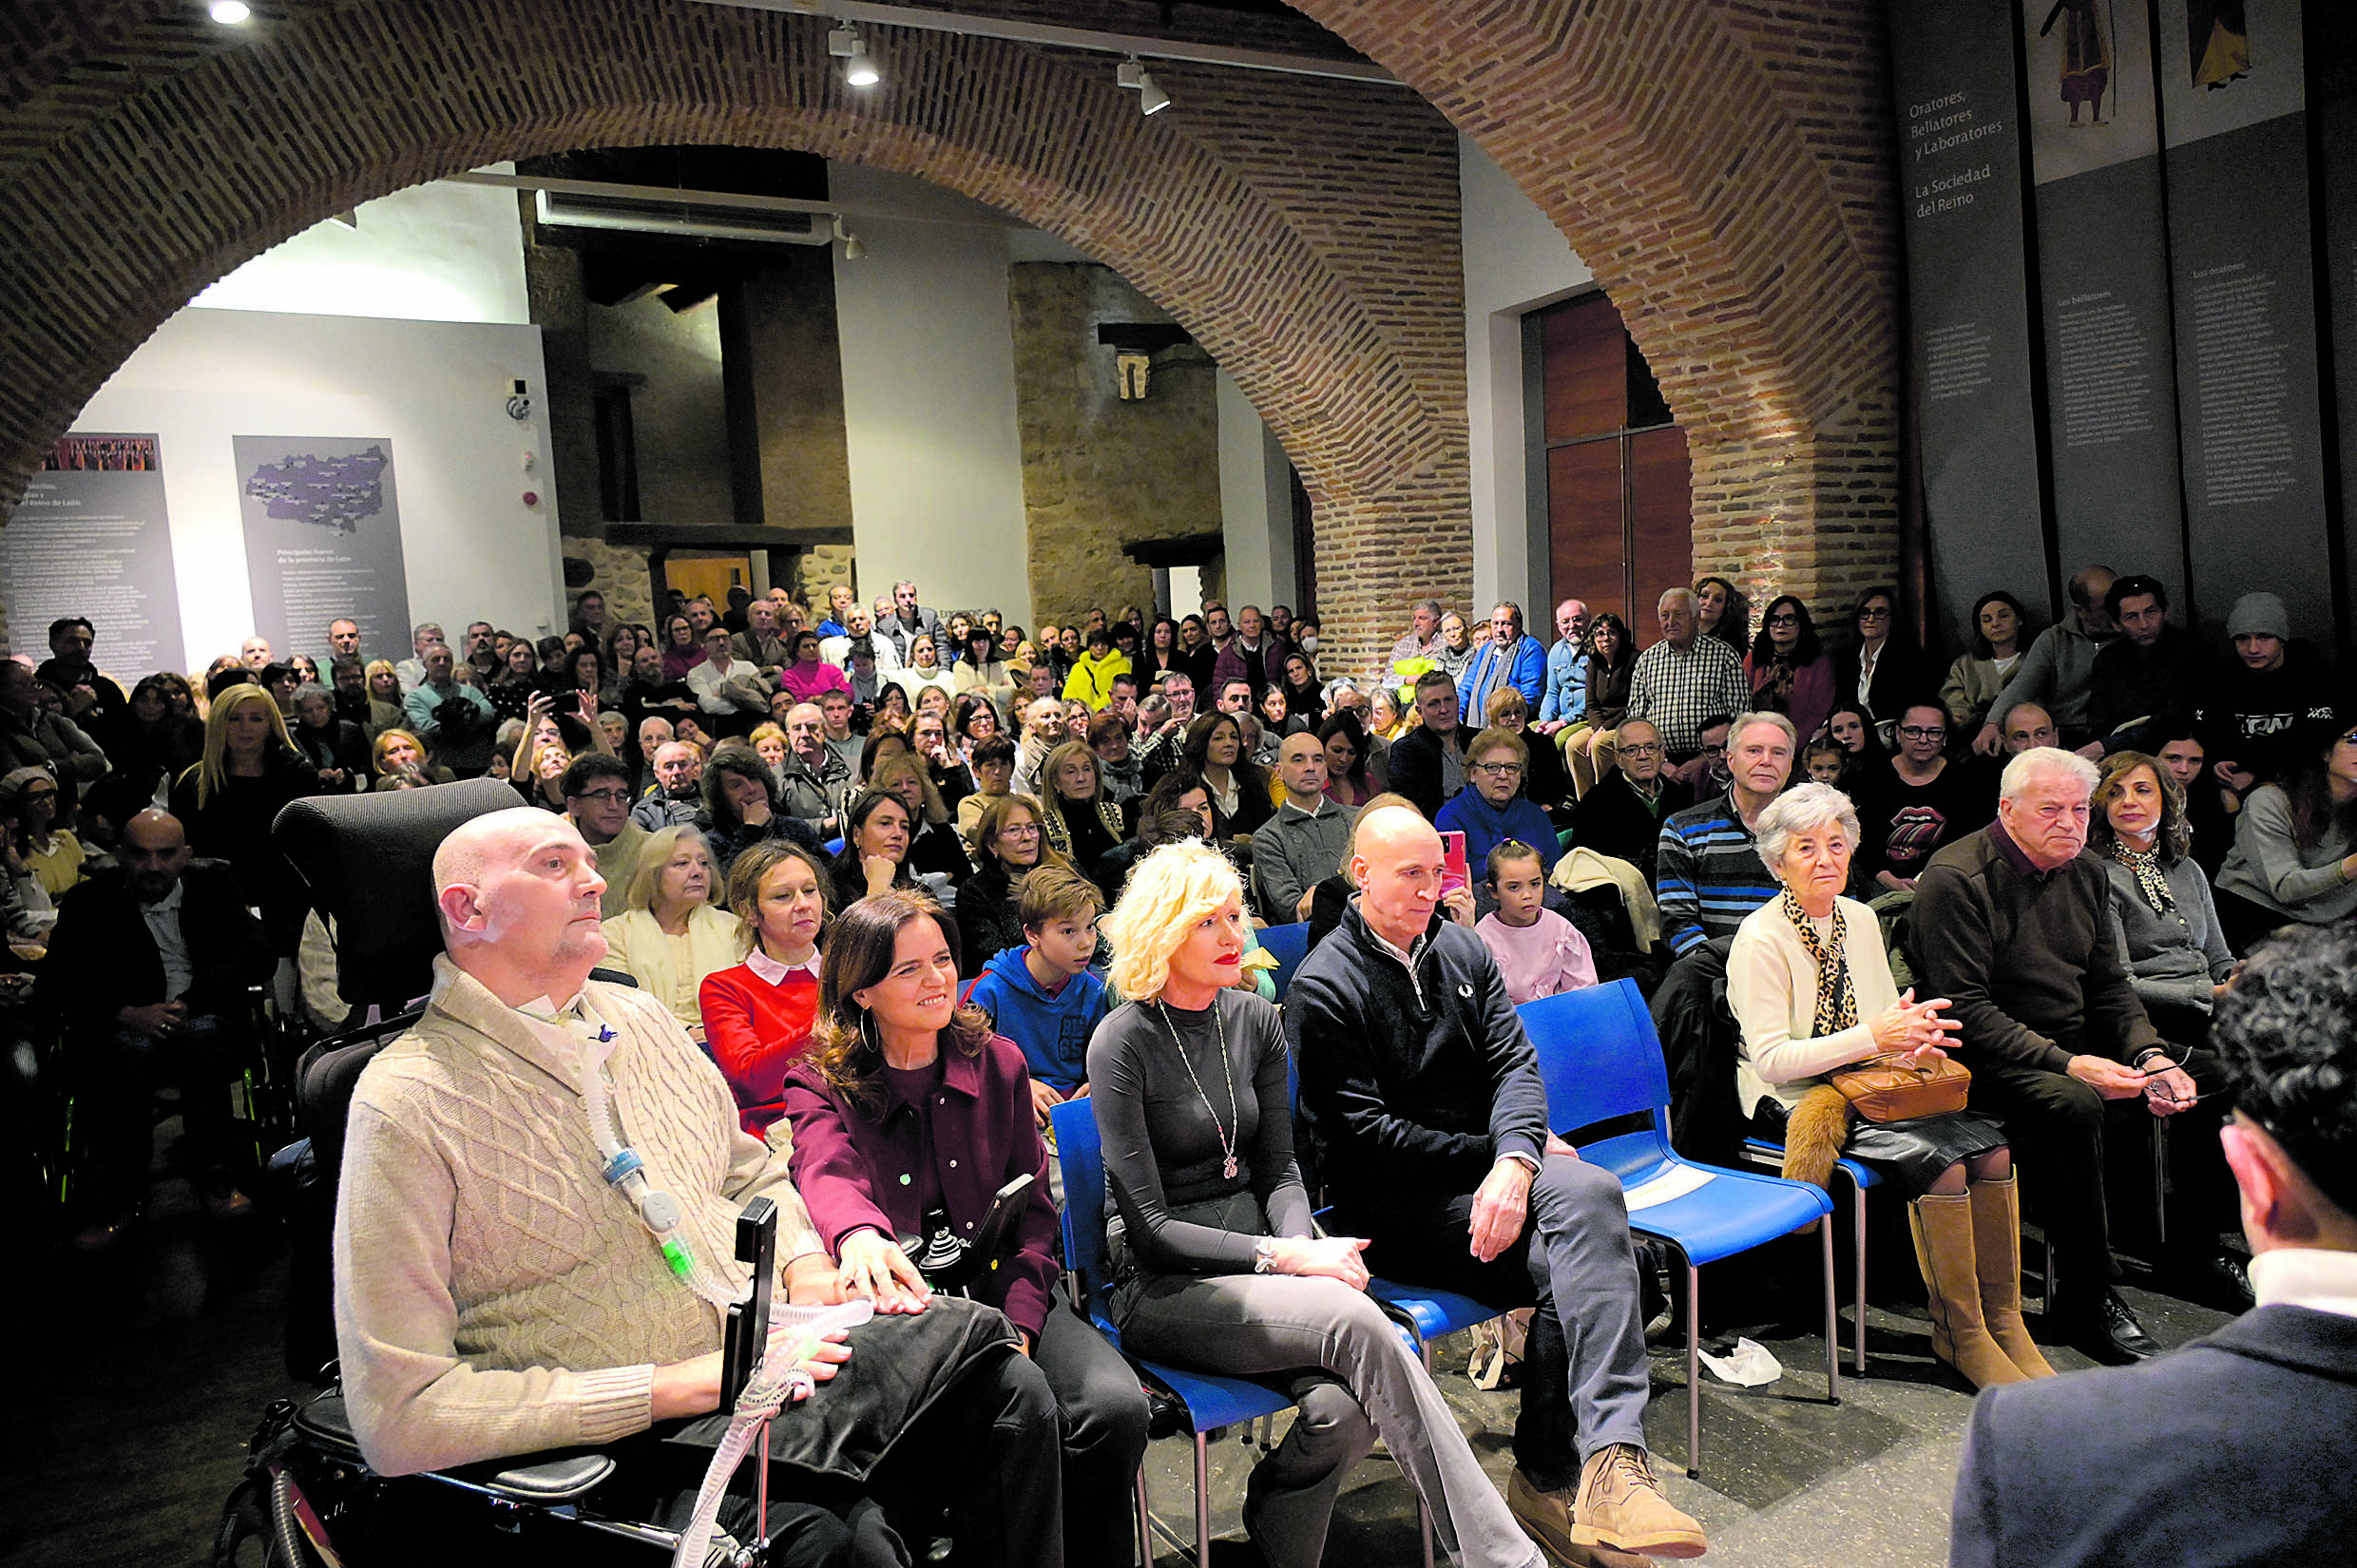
x=1227, y=1136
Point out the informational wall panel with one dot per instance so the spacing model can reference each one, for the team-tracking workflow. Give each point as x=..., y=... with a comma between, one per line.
x=322, y=539
x=91, y=538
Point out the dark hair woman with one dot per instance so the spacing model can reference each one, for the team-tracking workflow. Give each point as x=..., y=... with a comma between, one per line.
x=1304, y=700
x=1790, y=670
x=682, y=649
x=513, y=689
x=898, y=1175
x=2295, y=843
x=875, y=856
x=1999, y=632
x=1883, y=668
x=1214, y=751
x=1612, y=661
x=1721, y=611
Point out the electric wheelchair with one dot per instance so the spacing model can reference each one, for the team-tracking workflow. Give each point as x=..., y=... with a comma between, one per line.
x=308, y=1498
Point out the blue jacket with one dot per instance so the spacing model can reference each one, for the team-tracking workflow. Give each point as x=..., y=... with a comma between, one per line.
x=1052, y=1031
x=1525, y=669
x=1566, y=686
x=1486, y=827
x=2231, y=1450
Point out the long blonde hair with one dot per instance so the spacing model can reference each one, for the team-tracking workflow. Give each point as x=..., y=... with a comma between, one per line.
x=214, y=768
x=1168, y=893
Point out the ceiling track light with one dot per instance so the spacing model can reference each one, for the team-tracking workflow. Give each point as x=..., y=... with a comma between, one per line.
x=844, y=44
x=1131, y=76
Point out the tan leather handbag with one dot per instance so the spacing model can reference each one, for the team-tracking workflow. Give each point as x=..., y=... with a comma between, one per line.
x=1886, y=1088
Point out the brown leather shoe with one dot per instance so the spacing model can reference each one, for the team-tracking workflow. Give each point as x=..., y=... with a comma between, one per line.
x=1545, y=1517
x=1621, y=1505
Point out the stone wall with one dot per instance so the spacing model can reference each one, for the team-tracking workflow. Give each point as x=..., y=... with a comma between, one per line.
x=617, y=571
x=1100, y=472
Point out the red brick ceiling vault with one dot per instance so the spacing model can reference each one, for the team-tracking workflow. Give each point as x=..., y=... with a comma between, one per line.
x=1309, y=240
x=1724, y=166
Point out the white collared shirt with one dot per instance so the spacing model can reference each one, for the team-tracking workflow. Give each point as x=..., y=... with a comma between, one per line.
x=773, y=972
x=2319, y=1278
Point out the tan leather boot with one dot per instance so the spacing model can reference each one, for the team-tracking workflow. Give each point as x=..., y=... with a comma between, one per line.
x=1943, y=1228
x=1621, y=1505
x=1997, y=1260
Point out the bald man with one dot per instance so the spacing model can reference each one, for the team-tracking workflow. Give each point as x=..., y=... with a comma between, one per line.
x=497, y=1294
x=148, y=965
x=2058, y=672
x=1422, y=1098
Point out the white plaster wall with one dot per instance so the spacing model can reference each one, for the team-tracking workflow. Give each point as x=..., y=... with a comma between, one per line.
x=431, y=253
x=1515, y=263
x=1255, y=505
x=472, y=548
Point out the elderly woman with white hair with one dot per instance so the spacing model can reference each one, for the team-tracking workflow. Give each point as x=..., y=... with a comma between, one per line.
x=1812, y=991
x=1216, y=1266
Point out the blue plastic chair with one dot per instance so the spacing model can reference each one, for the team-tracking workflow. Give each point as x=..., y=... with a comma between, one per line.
x=1289, y=945
x=1601, y=1058
x=1211, y=1402
x=1761, y=1152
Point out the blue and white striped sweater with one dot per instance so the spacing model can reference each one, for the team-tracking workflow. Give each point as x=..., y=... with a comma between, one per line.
x=1710, y=875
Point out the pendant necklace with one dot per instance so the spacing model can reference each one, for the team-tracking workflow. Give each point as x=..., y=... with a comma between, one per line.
x=1227, y=1137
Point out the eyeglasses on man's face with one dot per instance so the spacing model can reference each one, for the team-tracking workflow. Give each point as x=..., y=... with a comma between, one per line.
x=1642, y=748
x=607, y=797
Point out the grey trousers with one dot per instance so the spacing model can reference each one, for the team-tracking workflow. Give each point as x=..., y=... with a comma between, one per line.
x=1586, y=1376
x=1264, y=1325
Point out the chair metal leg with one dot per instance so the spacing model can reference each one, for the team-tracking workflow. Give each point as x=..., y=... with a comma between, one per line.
x=1832, y=1315
x=2160, y=1180
x=1203, y=1503
x=1145, y=1534
x=1694, y=1370
x=1857, y=1225
x=1423, y=1524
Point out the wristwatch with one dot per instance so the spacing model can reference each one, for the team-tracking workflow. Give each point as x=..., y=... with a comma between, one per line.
x=1264, y=1254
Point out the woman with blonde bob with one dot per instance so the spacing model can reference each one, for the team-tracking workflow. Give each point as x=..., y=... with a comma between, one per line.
x=670, y=934
x=1215, y=1266
x=1812, y=991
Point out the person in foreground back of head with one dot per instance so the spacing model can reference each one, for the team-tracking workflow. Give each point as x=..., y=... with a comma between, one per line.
x=2231, y=1450
x=496, y=1295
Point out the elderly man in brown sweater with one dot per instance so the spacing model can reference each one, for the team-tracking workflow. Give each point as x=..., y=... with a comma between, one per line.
x=2013, y=924
x=497, y=1292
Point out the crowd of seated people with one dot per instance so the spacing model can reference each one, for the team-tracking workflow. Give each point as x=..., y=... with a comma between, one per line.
x=2070, y=838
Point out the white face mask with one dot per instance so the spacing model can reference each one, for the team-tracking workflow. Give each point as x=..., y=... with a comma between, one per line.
x=1307, y=644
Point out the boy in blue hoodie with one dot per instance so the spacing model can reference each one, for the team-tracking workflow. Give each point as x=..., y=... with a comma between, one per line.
x=1040, y=995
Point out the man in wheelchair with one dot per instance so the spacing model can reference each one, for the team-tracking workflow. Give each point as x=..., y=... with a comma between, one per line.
x=533, y=1251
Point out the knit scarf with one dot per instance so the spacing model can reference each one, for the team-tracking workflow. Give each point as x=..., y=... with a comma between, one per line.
x=1837, y=1005
x=2146, y=863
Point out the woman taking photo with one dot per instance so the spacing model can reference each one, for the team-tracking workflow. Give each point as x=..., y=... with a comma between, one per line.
x=892, y=709
x=1214, y=753
x=1209, y=1239
x=2296, y=844
x=875, y=857
x=898, y=1176
x=670, y=934
x=518, y=682
x=757, y=1015
x=1080, y=822
x=1008, y=844
x=1811, y=991
x=227, y=801
x=1789, y=671
x=1999, y=629
x=1612, y=661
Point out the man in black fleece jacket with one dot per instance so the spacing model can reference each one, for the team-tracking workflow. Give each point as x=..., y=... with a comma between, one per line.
x=1421, y=1098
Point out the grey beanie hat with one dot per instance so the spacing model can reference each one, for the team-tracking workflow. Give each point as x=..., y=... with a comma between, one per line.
x=2259, y=613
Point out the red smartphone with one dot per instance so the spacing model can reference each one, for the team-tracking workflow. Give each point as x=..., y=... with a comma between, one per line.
x=1454, y=873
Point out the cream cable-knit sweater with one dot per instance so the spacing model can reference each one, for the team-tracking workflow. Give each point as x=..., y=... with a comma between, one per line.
x=493, y=1296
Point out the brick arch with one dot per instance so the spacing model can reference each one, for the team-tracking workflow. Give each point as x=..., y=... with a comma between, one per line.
x=1721, y=167
x=1254, y=234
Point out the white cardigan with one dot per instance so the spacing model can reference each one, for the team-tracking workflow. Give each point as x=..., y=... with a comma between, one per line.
x=716, y=940
x=1772, y=985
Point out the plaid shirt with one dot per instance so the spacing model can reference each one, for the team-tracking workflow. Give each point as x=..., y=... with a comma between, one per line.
x=1677, y=691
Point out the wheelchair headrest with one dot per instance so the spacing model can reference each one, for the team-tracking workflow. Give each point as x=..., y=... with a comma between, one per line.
x=369, y=861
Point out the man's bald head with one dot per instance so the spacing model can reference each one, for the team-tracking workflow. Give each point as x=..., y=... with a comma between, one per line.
x=152, y=853
x=479, y=843
x=1389, y=830
x=517, y=893
x=1397, y=861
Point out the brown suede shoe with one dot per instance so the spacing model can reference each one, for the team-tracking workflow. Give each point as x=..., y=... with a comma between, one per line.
x=1621, y=1505
x=1545, y=1517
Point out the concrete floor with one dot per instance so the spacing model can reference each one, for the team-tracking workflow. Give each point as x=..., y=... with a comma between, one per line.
x=148, y=1368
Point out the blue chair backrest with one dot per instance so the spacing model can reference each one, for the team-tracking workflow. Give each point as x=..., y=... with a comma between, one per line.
x=1598, y=1055
x=1289, y=945
x=1081, y=1153
x=835, y=845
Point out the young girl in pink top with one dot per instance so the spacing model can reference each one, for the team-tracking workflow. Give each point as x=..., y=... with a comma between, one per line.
x=1539, y=952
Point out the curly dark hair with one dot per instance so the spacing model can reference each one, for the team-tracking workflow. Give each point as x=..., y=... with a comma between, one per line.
x=2286, y=1034
x=1803, y=652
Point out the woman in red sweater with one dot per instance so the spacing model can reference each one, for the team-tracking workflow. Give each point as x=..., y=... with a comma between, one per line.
x=757, y=1015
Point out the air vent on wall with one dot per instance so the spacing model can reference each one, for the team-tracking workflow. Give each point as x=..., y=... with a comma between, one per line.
x=650, y=214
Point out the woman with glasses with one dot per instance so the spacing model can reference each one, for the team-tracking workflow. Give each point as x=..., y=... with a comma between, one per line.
x=1494, y=809
x=1789, y=671
x=1882, y=668
x=1917, y=802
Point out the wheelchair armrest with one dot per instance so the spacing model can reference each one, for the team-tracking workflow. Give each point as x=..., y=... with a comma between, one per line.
x=549, y=1481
